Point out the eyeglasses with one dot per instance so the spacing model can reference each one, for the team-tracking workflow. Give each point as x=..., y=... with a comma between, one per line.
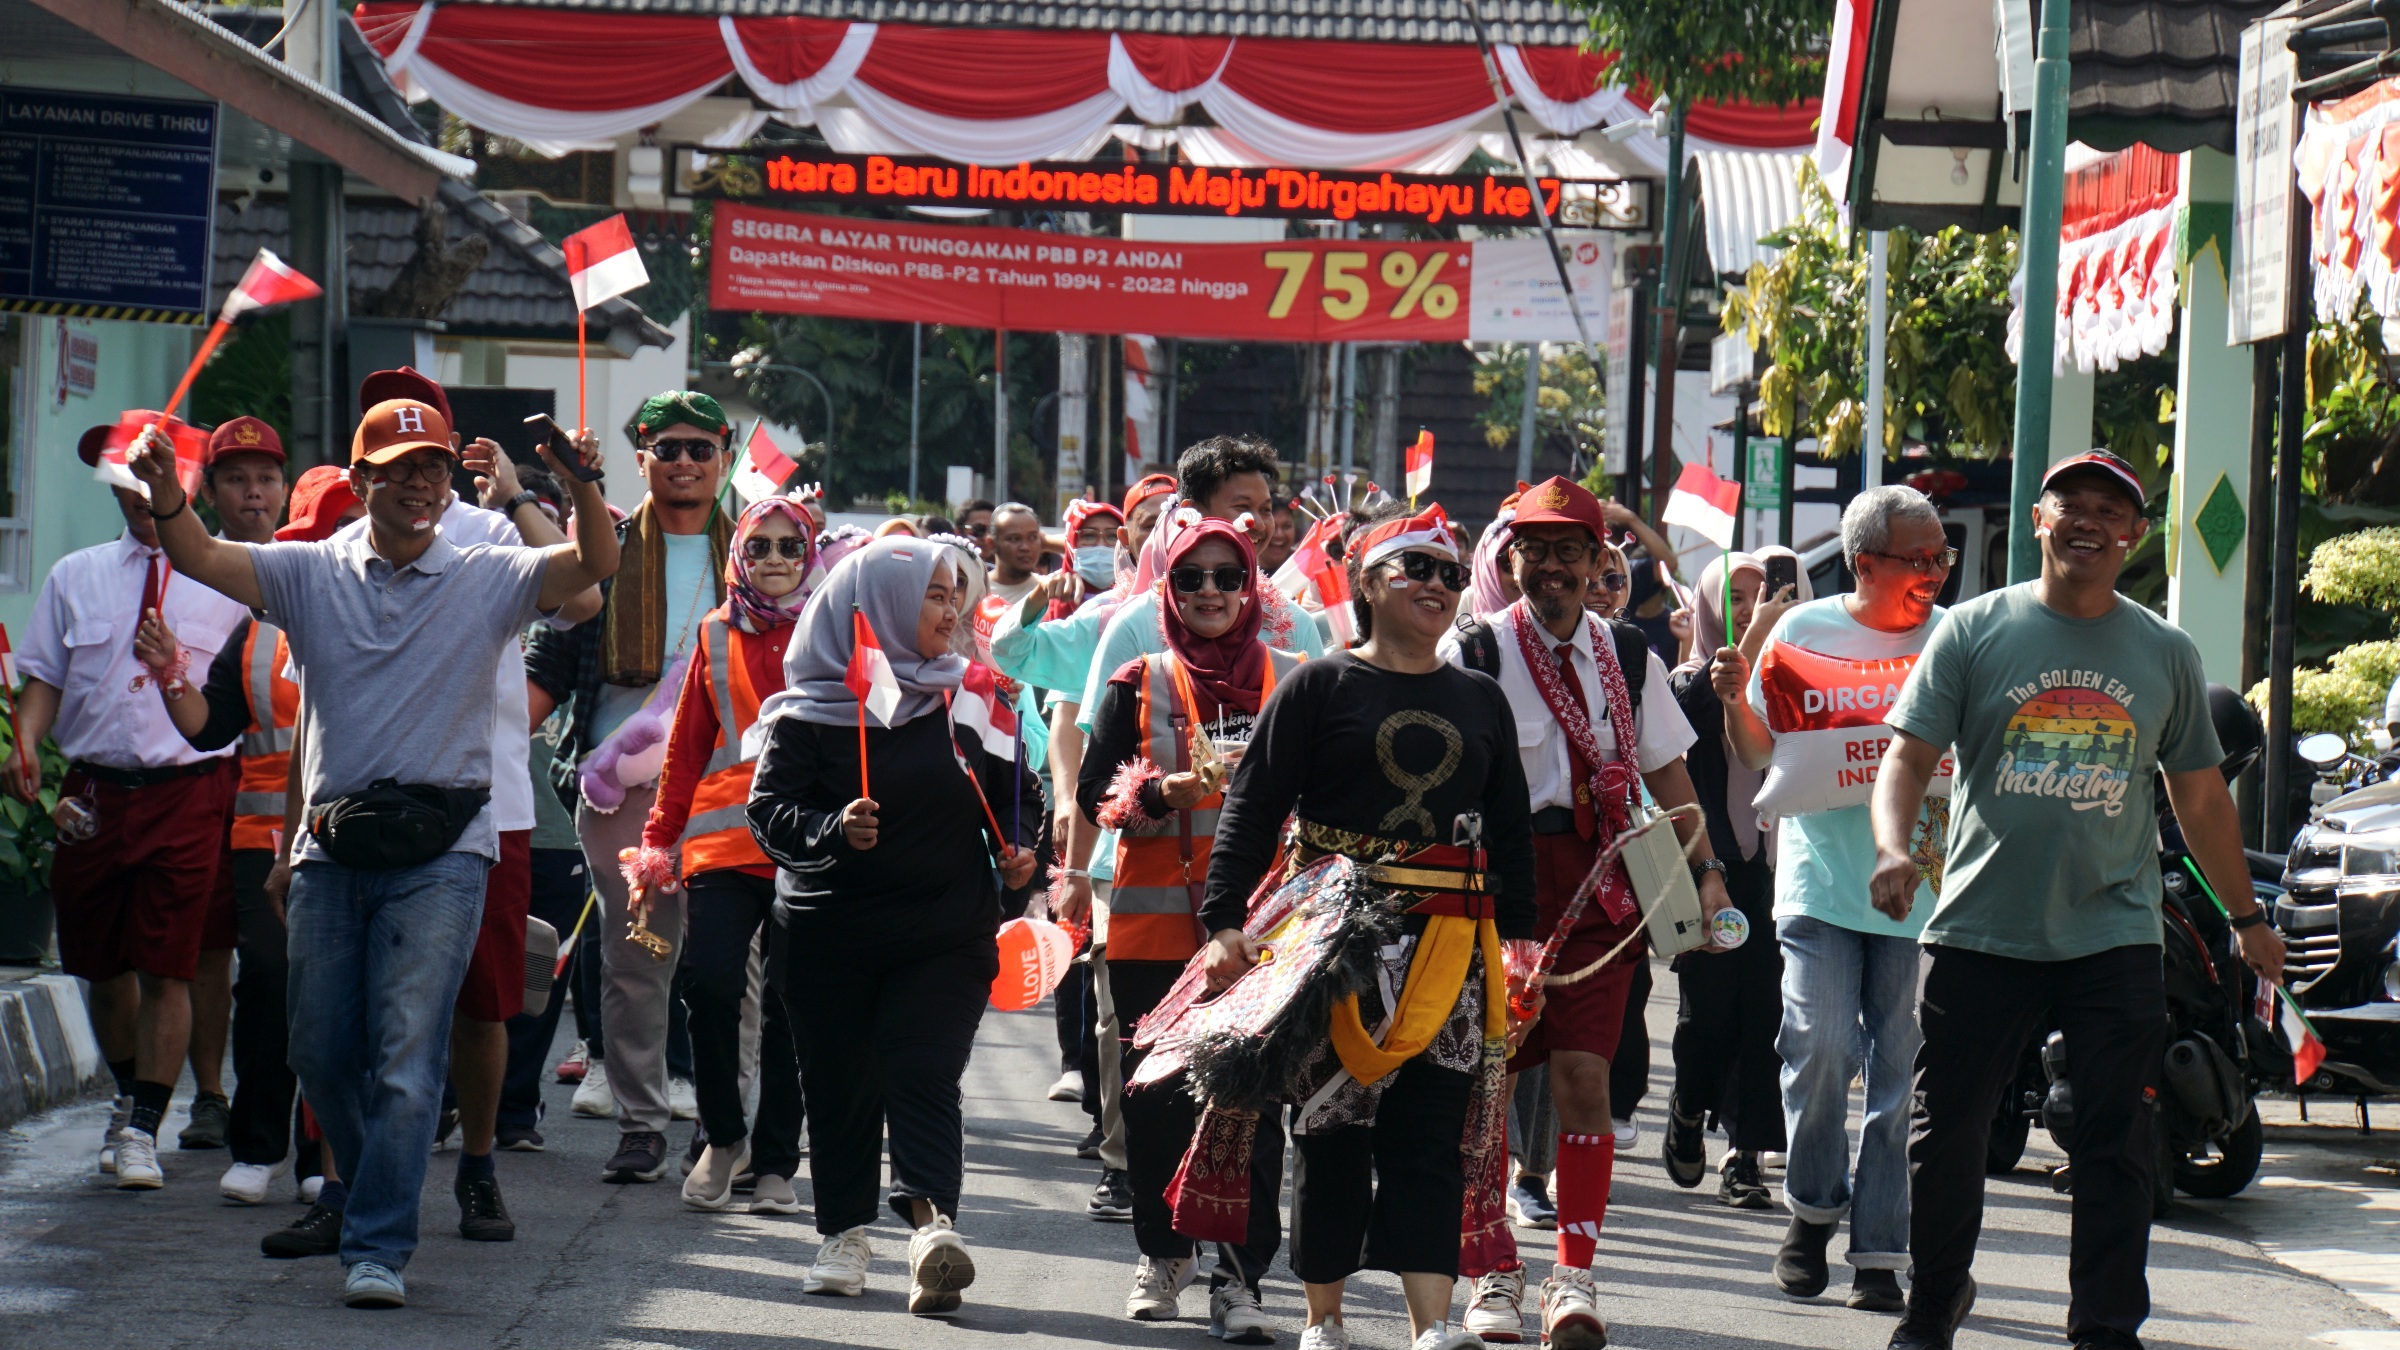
x=432, y=471
x=1923, y=566
x=1567, y=551
x=683, y=447
x=1425, y=567
x=790, y=546
x=1230, y=578
x=1614, y=581
x=982, y=531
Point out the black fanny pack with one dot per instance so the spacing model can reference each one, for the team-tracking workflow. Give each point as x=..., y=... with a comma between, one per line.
x=394, y=824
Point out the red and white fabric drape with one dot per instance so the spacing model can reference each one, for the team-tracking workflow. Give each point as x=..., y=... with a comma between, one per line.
x=998, y=96
x=2349, y=162
x=2118, y=280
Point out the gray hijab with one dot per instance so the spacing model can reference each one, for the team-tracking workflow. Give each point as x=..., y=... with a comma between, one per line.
x=885, y=580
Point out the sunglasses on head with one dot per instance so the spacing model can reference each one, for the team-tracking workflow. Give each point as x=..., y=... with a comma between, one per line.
x=1425, y=567
x=683, y=447
x=1228, y=578
x=790, y=546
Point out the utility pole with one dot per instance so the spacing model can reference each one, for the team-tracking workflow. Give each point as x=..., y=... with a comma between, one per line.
x=2045, y=202
x=916, y=390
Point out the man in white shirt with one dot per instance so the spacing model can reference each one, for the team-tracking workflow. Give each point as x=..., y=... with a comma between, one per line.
x=1574, y=712
x=133, y=881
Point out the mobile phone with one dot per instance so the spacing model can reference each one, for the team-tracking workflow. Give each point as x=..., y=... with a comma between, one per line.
x=550, y=433
x=1782, y=571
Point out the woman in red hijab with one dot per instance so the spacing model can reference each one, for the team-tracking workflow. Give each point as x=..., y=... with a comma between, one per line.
x=1168, y=731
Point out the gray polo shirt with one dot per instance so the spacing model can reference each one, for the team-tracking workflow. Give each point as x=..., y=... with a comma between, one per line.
x=396, y=666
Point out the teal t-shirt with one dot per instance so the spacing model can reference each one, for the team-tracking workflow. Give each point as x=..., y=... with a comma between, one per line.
x=691, y=594
x=2060, y=726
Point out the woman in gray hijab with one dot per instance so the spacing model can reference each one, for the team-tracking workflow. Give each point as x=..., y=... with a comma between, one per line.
x=884, y=948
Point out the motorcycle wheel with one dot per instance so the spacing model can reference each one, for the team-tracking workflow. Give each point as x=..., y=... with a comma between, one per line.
x=2235, y=1163
x=2010, y=1127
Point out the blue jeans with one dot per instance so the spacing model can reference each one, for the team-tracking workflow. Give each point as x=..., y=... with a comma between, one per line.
x=377, y=958
x=1849, y=999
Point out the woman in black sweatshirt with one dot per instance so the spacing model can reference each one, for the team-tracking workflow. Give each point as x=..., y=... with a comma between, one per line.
x=884, y=946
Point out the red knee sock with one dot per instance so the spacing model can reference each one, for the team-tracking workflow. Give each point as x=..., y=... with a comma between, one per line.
x=1586, y=1164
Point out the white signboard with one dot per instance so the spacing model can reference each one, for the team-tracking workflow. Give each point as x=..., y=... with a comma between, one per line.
x=1615, y=434
x=1731, y=363
x=1515, y=295
x=2264, y=120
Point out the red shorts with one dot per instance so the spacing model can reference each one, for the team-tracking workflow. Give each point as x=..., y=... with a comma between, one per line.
x=136, y=895
x=494, y=990
x=1588, y=1015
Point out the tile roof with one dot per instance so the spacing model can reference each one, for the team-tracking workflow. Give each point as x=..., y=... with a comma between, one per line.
x=1522, y=21
x=2164, y=72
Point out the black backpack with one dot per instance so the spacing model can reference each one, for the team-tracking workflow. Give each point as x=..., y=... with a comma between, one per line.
x=1479, y=644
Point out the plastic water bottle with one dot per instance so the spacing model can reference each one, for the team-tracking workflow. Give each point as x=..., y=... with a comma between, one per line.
x=1729, y=929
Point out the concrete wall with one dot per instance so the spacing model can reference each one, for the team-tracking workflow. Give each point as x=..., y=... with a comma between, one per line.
x=48, y=1055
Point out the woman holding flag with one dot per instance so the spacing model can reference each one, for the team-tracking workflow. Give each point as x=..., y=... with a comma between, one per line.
x=886, y=947
x=698, y=839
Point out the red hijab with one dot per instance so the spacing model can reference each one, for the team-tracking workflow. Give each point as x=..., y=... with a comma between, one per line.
x=1229, y=668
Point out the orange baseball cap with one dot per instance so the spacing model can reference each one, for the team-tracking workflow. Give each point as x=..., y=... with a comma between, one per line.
x=396, y=428
x=244, y=436
x=319, y=500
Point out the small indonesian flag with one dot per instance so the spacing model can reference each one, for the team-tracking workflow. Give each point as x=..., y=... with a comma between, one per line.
x=1420, y=463
x=870, y=676
x=602, y=262
x=8, y=664
x=2276, y=1008
x=983, y=708
x=269, y=282
x=764, y=468
x=1704, y=504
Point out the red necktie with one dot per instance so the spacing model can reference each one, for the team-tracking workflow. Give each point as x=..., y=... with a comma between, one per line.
x=1579, y=769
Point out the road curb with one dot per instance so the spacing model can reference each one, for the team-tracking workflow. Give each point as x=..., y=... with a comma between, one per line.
x=48, y=1056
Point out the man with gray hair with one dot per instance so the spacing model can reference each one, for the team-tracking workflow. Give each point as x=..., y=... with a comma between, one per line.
x=1849, y=971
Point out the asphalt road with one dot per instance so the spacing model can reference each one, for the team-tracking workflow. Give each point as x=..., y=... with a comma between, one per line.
x=597, y=1265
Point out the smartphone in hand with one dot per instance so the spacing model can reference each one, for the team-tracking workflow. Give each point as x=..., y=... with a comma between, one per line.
x=1781, y=572
x=550, y=433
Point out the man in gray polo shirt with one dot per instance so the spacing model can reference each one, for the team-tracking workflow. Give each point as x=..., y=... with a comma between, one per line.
x=386, y=630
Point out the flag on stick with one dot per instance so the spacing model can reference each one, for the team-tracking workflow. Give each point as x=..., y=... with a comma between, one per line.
x=1420, y=466
x=764, y=468
x=602, y=264
x=1704, y=504
x=871, y=682
x=2277, y=1009
x=268, y=283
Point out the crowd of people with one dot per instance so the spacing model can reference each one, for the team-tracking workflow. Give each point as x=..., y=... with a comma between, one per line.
x=1335, y=806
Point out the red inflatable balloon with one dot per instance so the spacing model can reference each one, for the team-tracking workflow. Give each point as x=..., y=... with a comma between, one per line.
x=1033, y=958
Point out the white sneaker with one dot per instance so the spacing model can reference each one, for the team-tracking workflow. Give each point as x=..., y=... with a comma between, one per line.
x=1068, y=1088
x=1571, y=1312
x=1496, y=1307
x=246, y=1183
x=683, y=1101
x=938, y=1267
x=137, y=1161
x=1234, y=1315
x=310, y=1189
x=841, y=1265
x=710, y=1185
x=1157, y=1289
x=1325, y=1336
x=1443, y=1338
x=1629, y=1133
x=592, y=1097
x=1770, y=1161
x=119, y=1115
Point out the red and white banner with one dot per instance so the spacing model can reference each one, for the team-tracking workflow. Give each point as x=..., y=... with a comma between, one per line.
x=2349, y=161
x=1827, y=716
x=2118, y=280
x=1312, y=290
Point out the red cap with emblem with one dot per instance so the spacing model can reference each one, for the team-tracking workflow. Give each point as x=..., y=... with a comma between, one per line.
x=244, y=436
x=1558, y=501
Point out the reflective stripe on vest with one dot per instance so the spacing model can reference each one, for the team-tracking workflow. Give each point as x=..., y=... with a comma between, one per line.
x=717, y=834
x=266, y=745
x=263, y=664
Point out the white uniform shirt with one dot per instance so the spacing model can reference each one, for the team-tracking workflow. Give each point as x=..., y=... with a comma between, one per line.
x=1661, y=734
x=81, y=641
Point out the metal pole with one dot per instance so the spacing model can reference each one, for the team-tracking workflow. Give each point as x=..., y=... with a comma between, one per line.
x=1670, y=325
x=2257, y=561
x=916, y=387
x=1541, y=205
x=1349, y=359
x=2283, y=583
x=999, y=414
x=1637, y=358
x=1878, y=337
x=1525, y=418
x=2045, y=200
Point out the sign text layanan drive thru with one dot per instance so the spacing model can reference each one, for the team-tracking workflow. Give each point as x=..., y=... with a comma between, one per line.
x=1287, y=291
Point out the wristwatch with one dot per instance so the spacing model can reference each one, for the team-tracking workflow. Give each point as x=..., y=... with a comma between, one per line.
x=2252, y=919
x=1716, y=865
x=526, y=498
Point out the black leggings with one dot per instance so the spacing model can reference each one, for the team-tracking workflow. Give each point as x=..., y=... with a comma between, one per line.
x=1730, y=1007
x=883, y=1035
x=1385, y=1196
x=263, y=1084
x=722, y=916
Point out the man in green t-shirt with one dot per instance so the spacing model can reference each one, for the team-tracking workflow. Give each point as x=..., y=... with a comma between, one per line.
x=2062, y=700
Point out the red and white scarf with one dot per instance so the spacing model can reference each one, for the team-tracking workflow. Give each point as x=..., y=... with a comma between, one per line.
x=1613, y=782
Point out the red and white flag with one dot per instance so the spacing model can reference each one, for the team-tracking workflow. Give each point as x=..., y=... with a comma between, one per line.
x=602, y=262
x=981, y=707
x=870, y=677
x=1704, y=504
x=764, y=468
x=270, y=282
x=2277, y=1009
x=1419, y=475
x=8, y=664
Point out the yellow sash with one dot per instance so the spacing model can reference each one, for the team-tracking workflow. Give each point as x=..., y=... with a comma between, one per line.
x=1436, y=974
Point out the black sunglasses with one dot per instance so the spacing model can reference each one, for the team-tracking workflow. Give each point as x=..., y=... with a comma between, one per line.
x=691, y=448
x=1425, y=567
x=1229, y=578
x=790, y=546
x=1614, y=581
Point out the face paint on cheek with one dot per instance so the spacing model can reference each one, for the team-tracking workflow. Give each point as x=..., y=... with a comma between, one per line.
x=1398, y=584
x=2041, y=531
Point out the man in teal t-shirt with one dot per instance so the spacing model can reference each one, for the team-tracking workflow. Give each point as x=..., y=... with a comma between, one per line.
x=2063, y=700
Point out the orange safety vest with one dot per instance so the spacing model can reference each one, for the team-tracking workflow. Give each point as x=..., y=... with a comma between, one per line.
x=1154, y=902
x=267, y=744
x=717, y=834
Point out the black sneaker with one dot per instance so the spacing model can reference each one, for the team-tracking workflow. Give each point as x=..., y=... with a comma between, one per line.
x=641, y=1156
x=1112, y=1199
x=316, y=1233
x=1685, y=1149
x=519, y=1139
x=1877, y=1291
x=481, y=1215
x=1800, y=1265
x=1089, y=1149
x=1743, y=1188
x=1931, y=1326
x=212, y=1116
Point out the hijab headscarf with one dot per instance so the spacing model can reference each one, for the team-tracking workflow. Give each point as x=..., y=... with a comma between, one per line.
x=754, y=610
x=1489, y=588
x=968, y=641
x=1229, y=667
x=1708, y=634
x=885, y=581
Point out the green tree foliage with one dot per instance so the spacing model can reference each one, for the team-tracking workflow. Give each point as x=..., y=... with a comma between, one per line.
x=2351, y=450
x=1757, y=51
x=1568, y=410
x=249, y=375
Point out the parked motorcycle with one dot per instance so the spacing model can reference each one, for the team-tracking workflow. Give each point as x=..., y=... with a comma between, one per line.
x=2340, y=920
